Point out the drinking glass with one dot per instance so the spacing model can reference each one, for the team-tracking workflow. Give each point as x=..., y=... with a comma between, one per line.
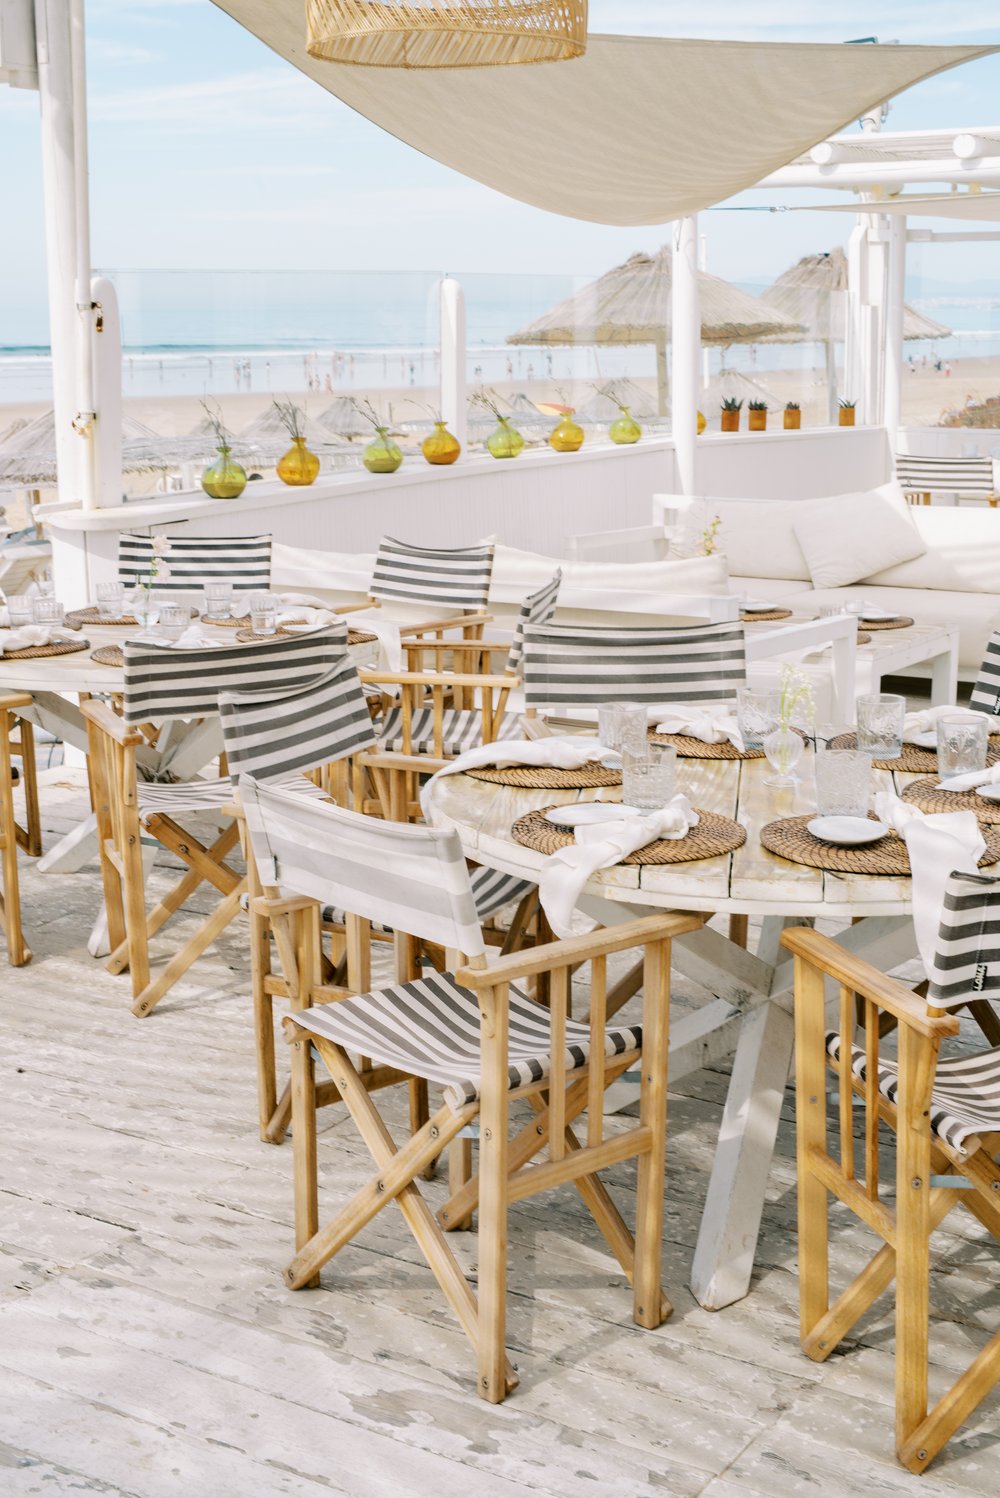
x=648, y=776
x=110, y=601
x=263, y=613
x=21, y=610
x=174, y=619
x=622, y=725
x=843, y=782
x=757, y=715
x=48, y=611
x=880, y=725
x=962, y=742
x=218, y=601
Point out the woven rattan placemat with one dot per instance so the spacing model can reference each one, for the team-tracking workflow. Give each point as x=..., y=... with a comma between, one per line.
x=108, y=655
x=247, y=636
x=548, y=778
x=77, y=618
x=689, y=748
x=927, y=795
x=789, y=839
x=39, y=652
x=712, y=836
x=903, y=623
x=762, y=616
x=913, y=759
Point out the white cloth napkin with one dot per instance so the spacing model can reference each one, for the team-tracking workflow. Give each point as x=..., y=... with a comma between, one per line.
x=560, y=752
x=938, y=843
x=710, y=728
x=386, y=631
x=193, y=638
x=926, y=720
x=33, y=634
x=971, y=779
x=300, y=618
x=600, y=847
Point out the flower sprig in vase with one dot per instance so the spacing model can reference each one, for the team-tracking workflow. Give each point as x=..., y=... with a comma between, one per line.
x=382, y=455
x=159, y=571
x=506, y=441
x=796, y=706
x=222, y=479
x=298, y=467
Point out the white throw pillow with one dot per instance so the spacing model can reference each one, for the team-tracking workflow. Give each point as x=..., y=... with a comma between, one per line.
x=851, y=536
x=755, y=535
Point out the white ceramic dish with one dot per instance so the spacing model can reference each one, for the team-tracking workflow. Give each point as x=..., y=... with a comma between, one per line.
x=988, y=792
x=877, y=615
x=846, y=832
x=759, y=606
x=589, y=814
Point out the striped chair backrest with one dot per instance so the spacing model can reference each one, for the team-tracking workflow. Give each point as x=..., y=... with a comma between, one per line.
x=281, y=731
x=193, y=561
x=424, y=574
x=412, y=879
x=936, y=475
x=164, y=682
x=966, y=961
x=536, y=609
x=587, y=666
x=986, y=692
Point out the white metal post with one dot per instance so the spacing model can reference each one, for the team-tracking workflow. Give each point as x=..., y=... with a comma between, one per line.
x=107, y=394
x=892, y=379
x=454, y=395
x=85, y=420
x=686, y=320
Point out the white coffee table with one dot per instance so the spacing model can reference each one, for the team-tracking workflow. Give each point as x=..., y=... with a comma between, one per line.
x=893, y=651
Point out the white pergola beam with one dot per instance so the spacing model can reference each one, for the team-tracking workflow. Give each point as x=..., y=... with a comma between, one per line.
x=865, y=175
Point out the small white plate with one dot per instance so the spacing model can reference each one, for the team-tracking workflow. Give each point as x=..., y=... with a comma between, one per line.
x=877, y=615
x=758, y=606
x=589, y=814
x=988, y=792
x=846, y=832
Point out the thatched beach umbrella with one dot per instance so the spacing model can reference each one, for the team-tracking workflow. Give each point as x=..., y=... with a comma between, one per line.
x=28, y=459
x=266, y=439
x=631, y=304
x=813, y=292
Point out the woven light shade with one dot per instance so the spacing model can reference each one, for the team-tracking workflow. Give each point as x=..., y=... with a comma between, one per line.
x=446, y=33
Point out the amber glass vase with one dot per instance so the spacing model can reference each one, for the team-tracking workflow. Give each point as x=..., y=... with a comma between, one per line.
x=568, y=436
x=625, y=429
x=299, y=466
x=506, y=441
x=441, y=447
x=224, y=479
x=382, y=455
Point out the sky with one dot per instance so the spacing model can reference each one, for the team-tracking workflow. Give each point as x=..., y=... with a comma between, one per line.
x=208, y=151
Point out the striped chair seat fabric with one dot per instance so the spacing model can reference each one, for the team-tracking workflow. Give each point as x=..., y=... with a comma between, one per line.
x=444, y=579
x=430, y=1028
x=207, y=795
x=943, y=475
x=491, y=891
x=193, y=561
x=966, y=1096
x=461, y=729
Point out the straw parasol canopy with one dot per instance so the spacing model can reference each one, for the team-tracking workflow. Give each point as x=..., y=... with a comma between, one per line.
x=631, y=304
x=266, y=439
x=28, y=459
x=445, y=33
x=813, y=292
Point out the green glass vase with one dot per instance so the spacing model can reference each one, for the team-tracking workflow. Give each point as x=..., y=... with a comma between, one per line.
x=224, y=479
x=506, y=441
x=625, y=429
x=382, y=455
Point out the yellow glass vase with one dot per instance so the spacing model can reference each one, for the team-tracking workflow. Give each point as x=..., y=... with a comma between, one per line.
x=625, y=429
x=506, y=441
x=299, y=466
x=568, y=436
x=382, y=455
x=224, y=479
x=441, y=447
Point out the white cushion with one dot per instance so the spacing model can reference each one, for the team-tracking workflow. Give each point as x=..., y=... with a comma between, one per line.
x=613, y=586
x=755, y=536
x=849, y=536
x=779, y=589
x=963, y=552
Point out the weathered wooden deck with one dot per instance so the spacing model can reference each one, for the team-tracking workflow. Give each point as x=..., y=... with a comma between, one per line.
x=148, y=1346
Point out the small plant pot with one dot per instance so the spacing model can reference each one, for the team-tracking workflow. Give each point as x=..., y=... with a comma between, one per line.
x=793, y=420
x=847, y=416
x=757, y=421
x=730, y=421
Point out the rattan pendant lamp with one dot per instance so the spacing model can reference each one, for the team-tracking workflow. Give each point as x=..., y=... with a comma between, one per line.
x=446, y=33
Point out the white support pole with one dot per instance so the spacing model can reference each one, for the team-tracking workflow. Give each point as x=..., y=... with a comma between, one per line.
x=892, y=378
x=857, y=291
x=85, y=420
x=686, y=336
x=107, y=394
x=454, y=396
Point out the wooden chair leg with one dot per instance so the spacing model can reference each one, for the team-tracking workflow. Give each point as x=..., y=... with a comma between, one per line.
x=493, y=1168
x=459, y=1174
x=18, y=951
x=739, y=929
x=913, y=1169
x=813, y=1201
x=29, y=783
x=648, y=1297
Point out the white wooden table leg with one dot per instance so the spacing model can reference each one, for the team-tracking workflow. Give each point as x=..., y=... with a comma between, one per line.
x=74, y=850
x=944, y=676
x=727, y=1239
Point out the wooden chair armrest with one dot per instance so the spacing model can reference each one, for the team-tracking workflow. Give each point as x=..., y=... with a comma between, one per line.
x=577, y=949
x=435, y=679
x=853, y=972
x=458, y=621
x=383, y=759
x=108, y=722
x=13, y=700
x=495, y=647
x=266, y=905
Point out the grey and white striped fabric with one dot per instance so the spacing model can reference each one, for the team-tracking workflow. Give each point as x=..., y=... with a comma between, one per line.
x=986, y=692
x=537, y=608
x=491, y=891
x=412, y=879
x=966, y=961
x=461, y=729
x=193, y=561
x=567, y=666
x=943, y=475
x=440, y=578
x=280, y=732
x=163, y=682
x=430, y=1028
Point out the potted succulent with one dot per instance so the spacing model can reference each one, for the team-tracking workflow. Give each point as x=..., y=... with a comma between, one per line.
x=299, y=467
x=847, y=413
x=506, y=441
x=731, y=408
x=793, y=416
x=222, y=479
x=382, y=455
x=757, y=419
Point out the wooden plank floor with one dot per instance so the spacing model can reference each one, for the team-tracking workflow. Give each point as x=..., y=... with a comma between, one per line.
x=148, y=1347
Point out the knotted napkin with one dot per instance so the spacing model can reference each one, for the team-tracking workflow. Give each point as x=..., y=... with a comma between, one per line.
x=926, y=719
x=193, y=638
x=559, y=752
x=710, y=728
x=938, y=844
x=33, y=634
x=971, y=779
